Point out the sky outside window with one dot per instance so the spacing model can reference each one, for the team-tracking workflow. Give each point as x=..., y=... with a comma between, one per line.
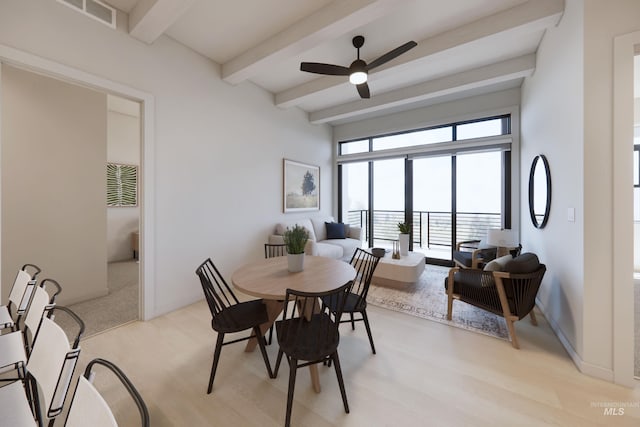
x=410, y=139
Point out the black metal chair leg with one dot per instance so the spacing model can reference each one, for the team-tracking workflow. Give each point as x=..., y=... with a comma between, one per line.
x=263, y=349
x=353, y=323
x=270, y=334
x=366, y=325
x=293, y=367
x=336, y=364
x=216, y=358
x=278, y=360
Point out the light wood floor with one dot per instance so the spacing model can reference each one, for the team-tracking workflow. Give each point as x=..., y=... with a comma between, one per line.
x=425, y=374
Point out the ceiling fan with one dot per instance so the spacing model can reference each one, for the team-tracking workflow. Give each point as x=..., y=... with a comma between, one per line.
x=358, y=70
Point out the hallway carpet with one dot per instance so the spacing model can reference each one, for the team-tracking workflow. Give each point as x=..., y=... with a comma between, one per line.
x=120, y=306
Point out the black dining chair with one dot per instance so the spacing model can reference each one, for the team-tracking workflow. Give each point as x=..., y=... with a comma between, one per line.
x=312, y=337
x=272, y=250
x=230, y=315
x=365, y=265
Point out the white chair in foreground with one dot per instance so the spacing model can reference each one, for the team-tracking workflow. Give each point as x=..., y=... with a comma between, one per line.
x=18, y=297
x=88, y=407
x=15, y=347
x=48, y=376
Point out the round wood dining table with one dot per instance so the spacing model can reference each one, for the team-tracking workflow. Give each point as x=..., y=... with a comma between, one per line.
x=269, y=279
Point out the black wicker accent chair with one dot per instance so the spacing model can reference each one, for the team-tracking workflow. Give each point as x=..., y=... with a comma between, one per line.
x=229, y=315
x=312, y=337
x=510, y=293
x=473, y=254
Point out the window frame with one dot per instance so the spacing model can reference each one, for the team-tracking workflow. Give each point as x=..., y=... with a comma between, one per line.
x=503, y=142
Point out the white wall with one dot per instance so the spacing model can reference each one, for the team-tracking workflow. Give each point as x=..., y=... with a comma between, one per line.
x=636, y=228
x=567, y=114
x=54, y=148
x=218, y=148
x=602, y=24
x=552, y=120
x=123, y=146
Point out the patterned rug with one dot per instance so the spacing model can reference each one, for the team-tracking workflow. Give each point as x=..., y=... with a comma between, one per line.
x=427, y=299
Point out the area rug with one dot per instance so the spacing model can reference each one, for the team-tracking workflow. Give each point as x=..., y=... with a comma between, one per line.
x=427, y=299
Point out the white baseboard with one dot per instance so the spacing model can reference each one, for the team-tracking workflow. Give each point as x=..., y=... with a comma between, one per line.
x=584, y=367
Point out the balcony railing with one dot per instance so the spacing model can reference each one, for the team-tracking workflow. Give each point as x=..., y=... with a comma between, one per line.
x=430, y=228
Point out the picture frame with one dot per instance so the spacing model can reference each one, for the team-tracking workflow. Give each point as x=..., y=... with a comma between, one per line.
x=301, y=186
x=122, y=185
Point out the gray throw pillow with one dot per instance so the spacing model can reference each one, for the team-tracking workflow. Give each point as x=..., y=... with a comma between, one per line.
x=525, y=263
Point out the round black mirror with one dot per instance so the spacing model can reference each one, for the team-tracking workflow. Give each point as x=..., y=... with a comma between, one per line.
x=539, y=191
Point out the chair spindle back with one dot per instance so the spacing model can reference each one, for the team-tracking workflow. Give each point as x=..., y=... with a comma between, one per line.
x=216, y=290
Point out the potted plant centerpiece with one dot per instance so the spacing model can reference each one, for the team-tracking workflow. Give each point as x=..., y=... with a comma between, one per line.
x=295, y=239
x=403, y=237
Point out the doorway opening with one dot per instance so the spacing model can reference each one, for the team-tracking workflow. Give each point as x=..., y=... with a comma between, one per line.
x=64, y=225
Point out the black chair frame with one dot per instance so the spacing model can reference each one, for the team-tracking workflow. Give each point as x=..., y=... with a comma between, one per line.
x=312, y=336
x=26, y=298
x=272, y=250
x=71, y=360
x=365, y=264
x=223, y=305
x=128, y=385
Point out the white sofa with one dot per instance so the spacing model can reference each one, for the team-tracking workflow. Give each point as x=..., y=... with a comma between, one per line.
x=318, y=243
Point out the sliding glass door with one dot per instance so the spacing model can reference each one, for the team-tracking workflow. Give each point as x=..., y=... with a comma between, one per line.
x=354, y=187
x=478, y=194
x=388, y=201
x=432, y=197
x=452, y=183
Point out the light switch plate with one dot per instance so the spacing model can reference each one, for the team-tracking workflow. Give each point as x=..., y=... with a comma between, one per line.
x=571, y=214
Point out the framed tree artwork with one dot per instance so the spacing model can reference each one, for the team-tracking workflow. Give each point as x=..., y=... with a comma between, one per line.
x=122, y=185
x=301, y=187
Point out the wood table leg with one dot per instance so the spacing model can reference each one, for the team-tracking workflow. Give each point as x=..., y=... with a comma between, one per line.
x=309, y=309
x=315, y=378
x=274, y=308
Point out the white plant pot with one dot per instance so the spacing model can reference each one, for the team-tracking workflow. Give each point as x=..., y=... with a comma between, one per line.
x=404, y=244
x=296, y=262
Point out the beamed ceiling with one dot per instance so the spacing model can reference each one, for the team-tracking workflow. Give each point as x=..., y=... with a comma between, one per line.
x=465, y=47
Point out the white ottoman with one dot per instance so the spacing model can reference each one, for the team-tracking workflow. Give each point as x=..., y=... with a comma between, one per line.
x=403, y=271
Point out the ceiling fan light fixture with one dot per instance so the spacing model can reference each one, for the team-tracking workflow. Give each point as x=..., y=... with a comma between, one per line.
x=358, y=71
x=358, y=77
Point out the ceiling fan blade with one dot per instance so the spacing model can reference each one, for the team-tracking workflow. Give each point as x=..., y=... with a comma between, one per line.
x=320, y=68
x=392, y=54
x=363, y=90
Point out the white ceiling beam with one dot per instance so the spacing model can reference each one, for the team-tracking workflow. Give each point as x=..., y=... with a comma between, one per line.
x=528, y=17
x=150, y=18
x=338, y=18
x=500, y=72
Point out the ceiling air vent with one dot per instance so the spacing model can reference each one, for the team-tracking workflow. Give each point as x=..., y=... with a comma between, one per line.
x=93, y=9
